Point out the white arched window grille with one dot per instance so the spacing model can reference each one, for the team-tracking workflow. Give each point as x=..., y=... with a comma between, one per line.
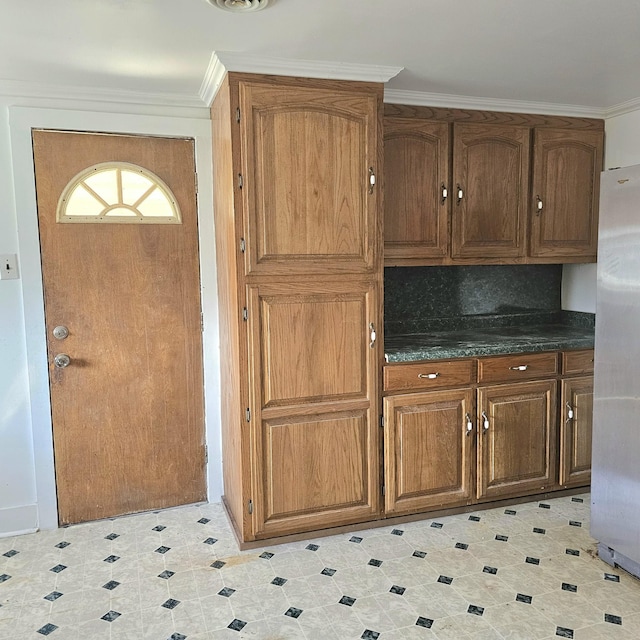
x=117, y=192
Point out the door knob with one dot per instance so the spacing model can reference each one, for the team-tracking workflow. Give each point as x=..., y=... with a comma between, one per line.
x=60, y=332
x=62, y=360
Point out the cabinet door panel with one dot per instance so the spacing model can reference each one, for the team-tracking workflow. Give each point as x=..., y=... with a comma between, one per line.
x=491, y=167
x=306, y=159
x=566, y=180
x=312, y=344
x=416, y=168
x=314, y=397
x=575, y=431
x=517, y=451
x=427, y=450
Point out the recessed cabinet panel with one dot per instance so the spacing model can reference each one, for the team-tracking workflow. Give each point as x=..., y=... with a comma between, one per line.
x=517, y=432
x=312, y=344
x=309, y=158
x=428, y=450
x=575, y=431
x=490, y=169
x=416, y=181
x=566, y=182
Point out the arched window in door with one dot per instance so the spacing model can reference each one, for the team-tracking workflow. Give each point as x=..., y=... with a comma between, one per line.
x=118, y=192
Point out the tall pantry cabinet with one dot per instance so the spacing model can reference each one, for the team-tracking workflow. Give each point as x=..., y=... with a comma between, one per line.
x=299, y=260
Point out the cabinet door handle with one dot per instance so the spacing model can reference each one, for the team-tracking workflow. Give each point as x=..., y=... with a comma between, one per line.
x=469, y=424
x=460, y=194
x=539, y=205
x=372, y=335
x=444, y=192
x=430, y=376
x=485, y=421
x=569, y=412
x=521, y=367
x=372, y=179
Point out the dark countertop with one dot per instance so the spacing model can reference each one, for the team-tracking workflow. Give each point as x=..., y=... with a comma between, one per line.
x=476, y=341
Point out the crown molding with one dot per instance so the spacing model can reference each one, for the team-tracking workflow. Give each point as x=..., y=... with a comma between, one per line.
x=419, y=98
x=622, y=108
x=224, y=61
x=17, y=89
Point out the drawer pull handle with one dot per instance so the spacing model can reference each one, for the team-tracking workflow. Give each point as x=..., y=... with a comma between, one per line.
x=469, y=424
x=485, y=422
x=430, y=376
x=522, y=367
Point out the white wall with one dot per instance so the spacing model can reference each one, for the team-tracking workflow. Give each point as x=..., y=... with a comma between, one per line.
x=17, y=471
x=27, y=482
x=622, y=148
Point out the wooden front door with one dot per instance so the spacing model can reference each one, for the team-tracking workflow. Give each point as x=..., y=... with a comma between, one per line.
x=127, y=410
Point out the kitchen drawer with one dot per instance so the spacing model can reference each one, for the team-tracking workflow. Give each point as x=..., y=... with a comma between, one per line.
x=429, y=374
x=517, y=367
x=577, y=363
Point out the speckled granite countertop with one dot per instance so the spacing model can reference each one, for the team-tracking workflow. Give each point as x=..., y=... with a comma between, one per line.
x=571, y=331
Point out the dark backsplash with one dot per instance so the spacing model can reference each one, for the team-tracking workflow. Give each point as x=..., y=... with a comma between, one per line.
x=423, y=298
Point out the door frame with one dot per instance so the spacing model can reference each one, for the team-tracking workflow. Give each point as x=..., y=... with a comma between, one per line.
x=21, y=121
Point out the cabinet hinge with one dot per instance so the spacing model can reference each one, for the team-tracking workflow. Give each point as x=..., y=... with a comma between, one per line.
x=206, y=453
x=250, y=507
x=240, y=181
x=237, y=114
x=245, y=314
x=248, y=414
x=382, y=489
x=382, y=421
x=243, y=246
x=201, y=321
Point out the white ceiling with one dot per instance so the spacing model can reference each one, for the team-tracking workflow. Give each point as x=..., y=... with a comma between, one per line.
x=568, y=52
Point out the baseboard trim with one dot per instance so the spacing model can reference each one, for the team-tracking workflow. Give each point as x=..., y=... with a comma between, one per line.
x=15, y=521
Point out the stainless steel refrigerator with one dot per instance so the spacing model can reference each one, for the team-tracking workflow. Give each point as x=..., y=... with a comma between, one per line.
x=615, y=485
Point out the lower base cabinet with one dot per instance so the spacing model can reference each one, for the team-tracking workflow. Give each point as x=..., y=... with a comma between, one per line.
x=517, y=439
x=428, y=450
x=576, y=420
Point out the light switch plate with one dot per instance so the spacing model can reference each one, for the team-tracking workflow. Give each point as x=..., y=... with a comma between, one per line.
x=9, y=266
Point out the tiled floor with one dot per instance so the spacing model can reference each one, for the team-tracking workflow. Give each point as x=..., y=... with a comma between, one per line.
x=528, y=572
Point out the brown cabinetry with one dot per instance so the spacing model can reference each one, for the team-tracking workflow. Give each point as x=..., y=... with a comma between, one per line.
x=507, y=200
x=298, y=240
x=517, y=439
x=565, y=193
x=490, y=170
x=576, y=418
x=429, y=450
x=416, y=178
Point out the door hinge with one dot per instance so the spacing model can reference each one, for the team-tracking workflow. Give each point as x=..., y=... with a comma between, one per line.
x=240, y=181
x=245, y=314
x=250, y=507
x=382, y=421
x=248, y=414
x=237, y=114
x=206, y=453
x=243, y=245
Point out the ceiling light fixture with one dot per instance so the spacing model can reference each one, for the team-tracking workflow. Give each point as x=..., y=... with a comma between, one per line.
x=240, y=6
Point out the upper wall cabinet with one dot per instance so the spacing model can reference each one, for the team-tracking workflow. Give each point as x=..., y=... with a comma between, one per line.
x=490, y=174
x=416, y=179
x=309, y=167
x=459, y=187
x=565, y=193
